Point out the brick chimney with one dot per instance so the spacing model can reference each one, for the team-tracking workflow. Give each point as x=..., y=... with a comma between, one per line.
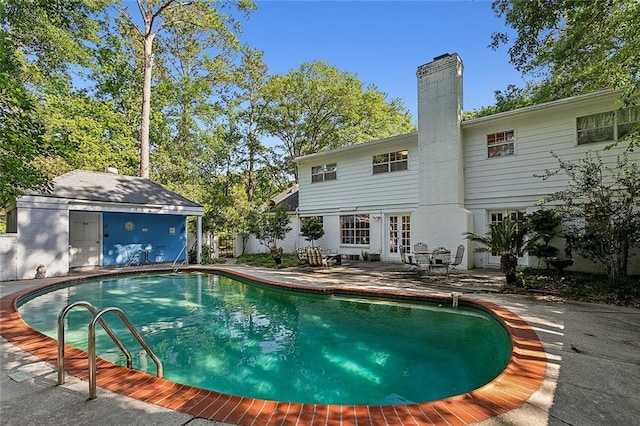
x=442, y=218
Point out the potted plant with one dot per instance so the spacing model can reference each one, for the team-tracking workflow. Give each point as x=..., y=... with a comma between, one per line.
x=365, y=255
x=509, y=240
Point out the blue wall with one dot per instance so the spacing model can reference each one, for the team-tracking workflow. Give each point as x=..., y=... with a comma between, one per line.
x=163, y=235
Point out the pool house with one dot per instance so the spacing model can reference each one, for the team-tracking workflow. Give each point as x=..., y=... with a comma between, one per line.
x=92, y=219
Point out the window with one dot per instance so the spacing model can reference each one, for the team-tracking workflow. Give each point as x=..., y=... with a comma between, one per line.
x=318, y=218
x=391, y=162
x=607, y=126
x=354, y=229
x=501, y=144
x=324, y=172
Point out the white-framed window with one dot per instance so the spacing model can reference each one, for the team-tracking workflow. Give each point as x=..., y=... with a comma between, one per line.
x=354, y=229
x=391, y=162
x=324, y=172
x=501, y=144
x=607, y=126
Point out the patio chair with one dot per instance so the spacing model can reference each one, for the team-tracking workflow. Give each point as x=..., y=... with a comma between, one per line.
x=407, y=260
x=421, y=255
x=302, y=255
x=420, y=248
x=133, y=257
x=440, y=259
x=315, y=257
x=458, y=259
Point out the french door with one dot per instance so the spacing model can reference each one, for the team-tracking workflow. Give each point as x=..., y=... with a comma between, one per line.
x=399, y=234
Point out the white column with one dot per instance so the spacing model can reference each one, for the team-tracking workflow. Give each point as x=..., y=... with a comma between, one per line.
x=199, y=240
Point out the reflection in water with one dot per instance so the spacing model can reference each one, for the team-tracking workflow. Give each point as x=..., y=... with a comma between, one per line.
x=240, y=338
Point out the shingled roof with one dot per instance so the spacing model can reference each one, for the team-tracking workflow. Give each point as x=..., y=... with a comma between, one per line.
x=113, y=188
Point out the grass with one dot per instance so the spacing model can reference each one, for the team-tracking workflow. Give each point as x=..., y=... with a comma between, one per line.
x=266, y=261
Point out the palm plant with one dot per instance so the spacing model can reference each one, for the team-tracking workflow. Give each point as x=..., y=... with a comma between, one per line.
x=509, y=240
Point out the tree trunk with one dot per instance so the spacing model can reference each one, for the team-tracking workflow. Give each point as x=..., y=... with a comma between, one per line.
x=145, y=120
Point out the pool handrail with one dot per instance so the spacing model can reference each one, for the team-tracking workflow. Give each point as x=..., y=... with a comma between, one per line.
x=61, y=317
x=173, y=266
x=92, y=346
x=91, y=341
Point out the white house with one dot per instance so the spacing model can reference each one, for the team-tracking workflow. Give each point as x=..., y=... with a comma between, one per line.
x=92, y=219
x=452, y=176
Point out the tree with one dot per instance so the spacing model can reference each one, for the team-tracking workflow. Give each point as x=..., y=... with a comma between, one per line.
x=271, y=226
x=38, y=42
x=21, y=132
x=317, y=108
x=252, y=75
x=201, y=20
x=508, y=239
x=575, y=47
x=544, y=223
x=312, y=229
x=599, y=208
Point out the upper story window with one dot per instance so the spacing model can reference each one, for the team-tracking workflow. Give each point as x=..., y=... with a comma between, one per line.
x=501, y=144
x=390, y=162
x=324, y=172
x=607, y=126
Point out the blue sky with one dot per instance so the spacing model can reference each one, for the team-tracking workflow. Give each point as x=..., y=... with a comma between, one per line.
x=384, y=42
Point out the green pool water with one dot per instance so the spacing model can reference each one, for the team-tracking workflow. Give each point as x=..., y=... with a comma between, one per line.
x=241, y=338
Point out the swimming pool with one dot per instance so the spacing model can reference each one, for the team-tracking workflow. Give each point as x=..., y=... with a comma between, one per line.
x=236, y=337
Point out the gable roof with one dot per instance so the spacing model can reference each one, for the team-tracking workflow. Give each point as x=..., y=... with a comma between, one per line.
x=288, y=197
x=113, y=188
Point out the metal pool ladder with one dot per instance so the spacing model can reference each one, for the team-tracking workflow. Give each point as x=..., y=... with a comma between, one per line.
x=184, y=262
x=91, y=341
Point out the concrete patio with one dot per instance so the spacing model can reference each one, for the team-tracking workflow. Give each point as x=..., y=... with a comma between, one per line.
x=592, y=378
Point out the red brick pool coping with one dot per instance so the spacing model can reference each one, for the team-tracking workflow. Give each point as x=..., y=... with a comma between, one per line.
x=512, y=388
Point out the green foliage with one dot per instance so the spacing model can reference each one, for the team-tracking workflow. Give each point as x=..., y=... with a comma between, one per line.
x=94, y=133
x=312, y=229
x=574, y=47
x=544, y=224
x=599, y=207
x=512, y=98
x=21, y=131
x=271, y=226
x=265, y=260
x=318, y=108
x=509, y=240
x=206, y=256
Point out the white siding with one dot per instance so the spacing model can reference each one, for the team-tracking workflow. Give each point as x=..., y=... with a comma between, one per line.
x=514, y=182
x=515, y=178
x=8, y=257
x=43, y=239
x=356, y=187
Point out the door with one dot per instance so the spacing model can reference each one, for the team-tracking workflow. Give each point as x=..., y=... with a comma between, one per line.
x=84, y=239
x=499, y=217
x=399, y=234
